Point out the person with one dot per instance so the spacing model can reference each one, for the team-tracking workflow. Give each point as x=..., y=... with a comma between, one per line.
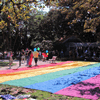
x=40, y=55
x=30, y=58
x=19, y=56
x=10, y=54
x=62, y=54
x=5, y=53
x=35, y=55
x=57, y=53
x=53, y=53
x=76, y=53
x=44, y=56
x=70, y=53
x=23, y=56
x=27, y=56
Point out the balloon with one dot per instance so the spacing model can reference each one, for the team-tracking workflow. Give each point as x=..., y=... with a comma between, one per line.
x=46, y=51
x=38, y=48
x=34, y=49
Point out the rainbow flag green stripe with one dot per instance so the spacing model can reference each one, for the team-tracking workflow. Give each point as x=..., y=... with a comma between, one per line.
x=45, y=77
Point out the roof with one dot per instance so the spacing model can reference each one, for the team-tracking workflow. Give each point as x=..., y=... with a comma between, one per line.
x=72, y=39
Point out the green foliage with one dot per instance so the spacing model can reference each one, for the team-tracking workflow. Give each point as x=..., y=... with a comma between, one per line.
x=12, y=13
x=45, y=44
x=79, y=17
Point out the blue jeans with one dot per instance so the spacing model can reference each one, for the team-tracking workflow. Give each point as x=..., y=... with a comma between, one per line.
x=27, y=60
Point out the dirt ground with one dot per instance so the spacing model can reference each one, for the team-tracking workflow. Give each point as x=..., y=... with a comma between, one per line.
x=23, y=64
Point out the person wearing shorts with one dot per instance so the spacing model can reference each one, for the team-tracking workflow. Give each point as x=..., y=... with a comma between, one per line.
x=35, y=55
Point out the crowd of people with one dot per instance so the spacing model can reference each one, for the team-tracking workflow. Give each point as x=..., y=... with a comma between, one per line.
x=26, y=56
x=85, y=53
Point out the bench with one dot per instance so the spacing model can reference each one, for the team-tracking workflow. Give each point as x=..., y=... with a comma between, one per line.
x=53, y=59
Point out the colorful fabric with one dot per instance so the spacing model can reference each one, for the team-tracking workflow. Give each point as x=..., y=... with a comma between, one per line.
x=44, y=55
x=71, y=78
x=7, y=97
x=30, y=59
x=89, y=89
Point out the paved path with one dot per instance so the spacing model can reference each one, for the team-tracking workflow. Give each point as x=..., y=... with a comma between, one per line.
x=22, y=65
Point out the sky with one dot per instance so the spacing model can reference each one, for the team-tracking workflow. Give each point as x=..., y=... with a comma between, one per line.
x=41, y=3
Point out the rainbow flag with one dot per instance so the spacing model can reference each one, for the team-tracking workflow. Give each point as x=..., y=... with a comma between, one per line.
x=70, y=78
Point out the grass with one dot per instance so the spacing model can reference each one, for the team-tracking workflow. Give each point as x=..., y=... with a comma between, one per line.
x=5, y=64
x=35, y=94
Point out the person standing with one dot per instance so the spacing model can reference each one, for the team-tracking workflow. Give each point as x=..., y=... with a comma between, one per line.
x=40, y=54
x=53, y=53
x=57, y=53
x=20, y=55
x=62, y=54
x=30, y=58
x=35, y=55
x=44, y=56
x=27, y=56
x=10, y=54
x=23, y=56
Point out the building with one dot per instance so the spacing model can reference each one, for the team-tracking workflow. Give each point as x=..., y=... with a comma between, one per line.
x=73, y=43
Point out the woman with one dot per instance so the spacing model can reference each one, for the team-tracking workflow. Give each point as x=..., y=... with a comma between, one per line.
x=30, y=58
x=44, y=56
x=23, y=56
x=10, y=54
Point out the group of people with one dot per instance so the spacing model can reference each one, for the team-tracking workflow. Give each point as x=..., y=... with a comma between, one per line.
x=85, y=52
x=24, y=55
x=28, y=55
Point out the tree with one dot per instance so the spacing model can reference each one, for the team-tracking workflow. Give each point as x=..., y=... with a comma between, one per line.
x=81, y=17
x=44, y=45
x=84, y=15
x=12, y=13
x=54, y=26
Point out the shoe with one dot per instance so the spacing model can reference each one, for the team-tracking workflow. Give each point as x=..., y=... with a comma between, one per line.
x=30, y=65
x=9, y=68
x=18, y=66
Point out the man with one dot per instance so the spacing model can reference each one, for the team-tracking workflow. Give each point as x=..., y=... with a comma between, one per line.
x=23, y=56
x=27, y=56
x=40, y=55
x=35, y=55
